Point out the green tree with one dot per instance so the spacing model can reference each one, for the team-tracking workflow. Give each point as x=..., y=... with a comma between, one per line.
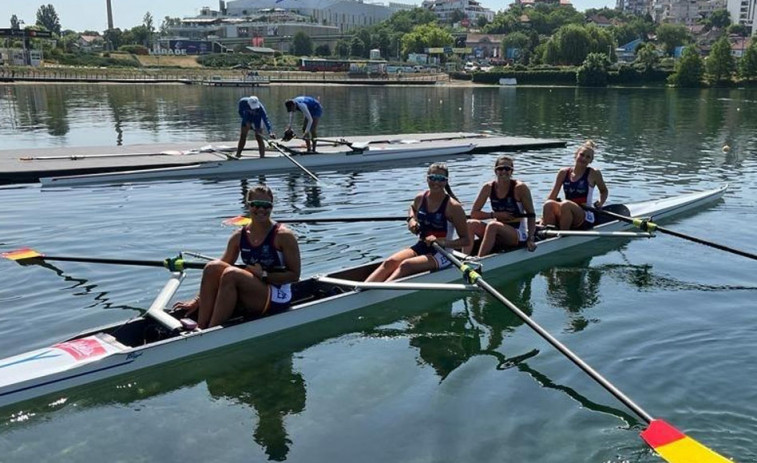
x=672, y=36
x=149, y=26
x=572, y=43
x=738, y=29
x=647, y=57
x=48, y=18
x=357, y=46
x=302, y=44
x=593, y=71
x=689, y=70
x=748, y=62
x=518, y=41
x=342, y=48
x=719, y=64
x=15, y=23
x=720, y=19
x=425, y=36
x=114, y=38
x=323, y=50
x=456, y=16
x=168, y=23
x=481, y=22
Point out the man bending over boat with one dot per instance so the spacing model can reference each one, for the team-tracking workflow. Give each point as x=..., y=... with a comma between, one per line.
x=253, y=114
x=434, y=215
x=271, y=256
x=513, y=221
x=312, y=110
x=578, y=184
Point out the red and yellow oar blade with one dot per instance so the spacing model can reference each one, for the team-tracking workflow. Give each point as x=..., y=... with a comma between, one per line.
x=237, y=221
x=22, y=254
x=676, y=447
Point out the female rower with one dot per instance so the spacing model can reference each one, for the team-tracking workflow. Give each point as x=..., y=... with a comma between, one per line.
x=271, y=256
x=434, y=215
x=578, y=184
x=514, y=220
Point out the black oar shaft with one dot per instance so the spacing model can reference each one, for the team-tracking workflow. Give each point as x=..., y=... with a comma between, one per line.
x=551, y=339
x=648, y=226
x=142, y=263
x=281, y=149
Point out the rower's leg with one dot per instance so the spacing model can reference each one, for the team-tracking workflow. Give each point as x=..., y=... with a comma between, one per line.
x=211, y=278
x=238, y=287
x=259, y=138
x=476, y=229
x=497, y=231
x=314, y=131
x=390, y=265
x=571, y=215
x=551, y=213
x=242, y=139
x=414, y=265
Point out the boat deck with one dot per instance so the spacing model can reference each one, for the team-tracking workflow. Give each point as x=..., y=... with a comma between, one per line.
x=28, y=165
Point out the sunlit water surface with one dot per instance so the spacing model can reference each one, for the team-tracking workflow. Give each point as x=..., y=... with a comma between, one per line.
x=427, y=378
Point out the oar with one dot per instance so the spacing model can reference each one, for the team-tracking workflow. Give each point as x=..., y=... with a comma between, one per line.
x=667, y=441
x=649, y=226
x=612, y=234
x=282, y=149
x=27, y=256
x=77, y=157
x=242, y=220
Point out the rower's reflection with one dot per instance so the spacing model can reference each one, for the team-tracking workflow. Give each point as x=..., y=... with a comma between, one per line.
x=574, y=288
x=447, y=338
x=274, y=390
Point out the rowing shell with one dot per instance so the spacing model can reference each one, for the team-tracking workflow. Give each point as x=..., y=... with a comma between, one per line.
x=271, y=163
x=124, y=347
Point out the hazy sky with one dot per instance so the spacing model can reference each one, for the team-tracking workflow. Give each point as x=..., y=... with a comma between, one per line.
x=81, y=15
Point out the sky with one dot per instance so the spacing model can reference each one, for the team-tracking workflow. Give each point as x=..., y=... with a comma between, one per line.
x=81, y=15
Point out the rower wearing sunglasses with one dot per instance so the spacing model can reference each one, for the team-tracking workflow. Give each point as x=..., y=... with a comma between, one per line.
x=271, y=257
x=578, y=184
x=512, y=221
x=435, y=215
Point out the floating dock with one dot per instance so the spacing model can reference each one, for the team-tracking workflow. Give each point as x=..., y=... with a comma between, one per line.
x=28, y=166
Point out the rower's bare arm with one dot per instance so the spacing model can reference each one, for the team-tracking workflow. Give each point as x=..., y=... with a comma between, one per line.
x=412, y=214
x=231, y=253
x=456, y=215
x=480, y=202
x=558, y=184
x=599, y=181
x=291, y=250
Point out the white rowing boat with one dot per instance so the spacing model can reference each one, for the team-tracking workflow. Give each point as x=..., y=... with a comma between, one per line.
x=273, y=162
x=159, y=336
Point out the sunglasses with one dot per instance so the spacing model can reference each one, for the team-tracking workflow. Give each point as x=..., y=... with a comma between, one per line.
x=261, y=204
x=503, y=168
x=437, y=177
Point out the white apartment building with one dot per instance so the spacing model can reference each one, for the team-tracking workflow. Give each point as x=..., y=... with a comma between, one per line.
x=686, y=12
x=744, y=12
x=472, y=9
x=345, y=15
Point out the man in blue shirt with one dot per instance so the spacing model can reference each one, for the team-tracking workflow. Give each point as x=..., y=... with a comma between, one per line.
x=312, y=110
x=253, y=114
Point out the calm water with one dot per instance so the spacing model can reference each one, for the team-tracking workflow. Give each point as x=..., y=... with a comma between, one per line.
x=428, y=378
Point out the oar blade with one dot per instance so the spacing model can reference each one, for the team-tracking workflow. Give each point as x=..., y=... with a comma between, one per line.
x=22, y=254
x=238, y=221
x=676, y=447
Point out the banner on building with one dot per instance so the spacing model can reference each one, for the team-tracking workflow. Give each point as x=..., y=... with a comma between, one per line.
x=190, y=47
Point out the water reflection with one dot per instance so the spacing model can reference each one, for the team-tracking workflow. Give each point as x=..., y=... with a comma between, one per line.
x=273, y=390
x=574, y=288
